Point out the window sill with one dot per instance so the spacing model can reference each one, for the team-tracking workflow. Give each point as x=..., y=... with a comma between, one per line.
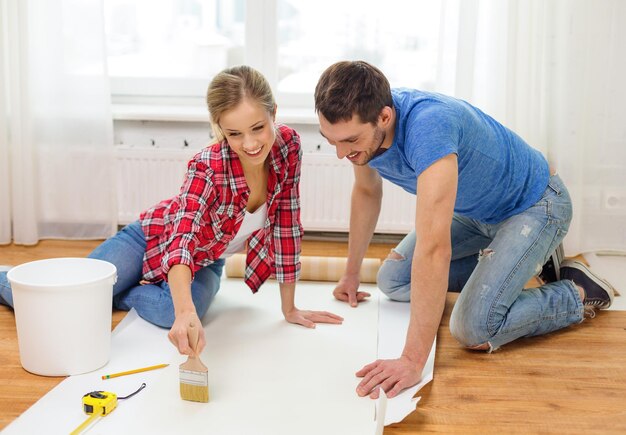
x=149, y=112
x=182, y=113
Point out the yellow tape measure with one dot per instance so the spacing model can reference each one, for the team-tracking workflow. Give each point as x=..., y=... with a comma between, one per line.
x=98, y=404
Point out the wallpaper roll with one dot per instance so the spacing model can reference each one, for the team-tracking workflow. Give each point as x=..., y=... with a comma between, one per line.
x=313, y=268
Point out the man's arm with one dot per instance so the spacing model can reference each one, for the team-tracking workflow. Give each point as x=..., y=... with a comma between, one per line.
x=367, y=193
x=436, y=194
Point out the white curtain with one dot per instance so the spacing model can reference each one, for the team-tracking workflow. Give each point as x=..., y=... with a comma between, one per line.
x=553, y=71
x=56, y=130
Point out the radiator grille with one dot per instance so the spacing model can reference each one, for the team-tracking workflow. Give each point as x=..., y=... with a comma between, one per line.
x=146, y=176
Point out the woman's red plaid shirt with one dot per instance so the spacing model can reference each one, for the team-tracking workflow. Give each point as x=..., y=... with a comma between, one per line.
x=195, y=227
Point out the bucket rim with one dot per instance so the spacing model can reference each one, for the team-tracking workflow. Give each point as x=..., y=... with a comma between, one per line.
x=110, y=274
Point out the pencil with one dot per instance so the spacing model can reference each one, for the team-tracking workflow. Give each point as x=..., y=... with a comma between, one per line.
x=130, y=372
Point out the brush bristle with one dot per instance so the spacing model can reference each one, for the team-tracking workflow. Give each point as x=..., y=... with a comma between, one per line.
x=194, y=393
x=194, y=385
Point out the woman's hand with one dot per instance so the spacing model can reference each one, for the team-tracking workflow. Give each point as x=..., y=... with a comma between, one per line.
x=311, y=318
x=300, y=317
x=186, y=329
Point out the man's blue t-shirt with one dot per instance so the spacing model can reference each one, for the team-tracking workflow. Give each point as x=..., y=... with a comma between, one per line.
x=500, y=175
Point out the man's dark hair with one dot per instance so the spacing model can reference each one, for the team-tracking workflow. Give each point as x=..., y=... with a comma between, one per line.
x=347, y=88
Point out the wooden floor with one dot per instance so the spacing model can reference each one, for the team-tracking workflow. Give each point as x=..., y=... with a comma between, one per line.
x=572, y=381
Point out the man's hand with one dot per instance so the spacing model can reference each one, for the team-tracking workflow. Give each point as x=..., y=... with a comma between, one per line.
x=180, y=333
x=346, y=290
x=310, y=318
x=392, y=375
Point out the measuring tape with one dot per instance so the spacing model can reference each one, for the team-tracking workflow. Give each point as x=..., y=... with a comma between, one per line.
x=99, y=404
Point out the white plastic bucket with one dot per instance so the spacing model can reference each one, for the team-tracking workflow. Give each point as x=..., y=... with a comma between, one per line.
x=63, y=314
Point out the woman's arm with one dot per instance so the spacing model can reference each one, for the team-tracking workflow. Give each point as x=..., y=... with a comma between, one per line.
x=287, y=230
x=196, y=195
x=287, y=241
x=179, y=280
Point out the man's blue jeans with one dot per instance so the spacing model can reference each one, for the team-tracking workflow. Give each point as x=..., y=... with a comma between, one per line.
x=491, y=265
x=153, y=302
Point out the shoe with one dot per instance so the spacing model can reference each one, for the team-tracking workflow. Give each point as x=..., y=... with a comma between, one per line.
x=598, y=292
x=551, y=271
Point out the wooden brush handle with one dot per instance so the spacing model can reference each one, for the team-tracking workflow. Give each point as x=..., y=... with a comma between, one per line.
x=193, y=361
x=193, y=334
x=194, y=364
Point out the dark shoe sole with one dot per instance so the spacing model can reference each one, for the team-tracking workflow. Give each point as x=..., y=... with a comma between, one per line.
x=606, y=286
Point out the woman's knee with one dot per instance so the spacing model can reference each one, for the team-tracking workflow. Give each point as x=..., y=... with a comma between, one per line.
x=204, y=287
x=163, y=317
x=152, y=302
x=203, y=303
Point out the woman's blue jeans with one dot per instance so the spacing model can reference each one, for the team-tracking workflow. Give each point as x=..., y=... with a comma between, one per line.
x=153, y=302
x=491, y=265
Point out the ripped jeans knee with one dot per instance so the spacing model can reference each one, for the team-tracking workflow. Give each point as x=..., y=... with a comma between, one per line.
x=393, y=279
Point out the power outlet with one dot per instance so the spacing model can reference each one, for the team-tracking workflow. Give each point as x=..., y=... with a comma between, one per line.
x=614, y=199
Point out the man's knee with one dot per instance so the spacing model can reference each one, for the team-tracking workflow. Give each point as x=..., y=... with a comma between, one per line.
x=398, y=294
x=469, y=329
x=390, y=279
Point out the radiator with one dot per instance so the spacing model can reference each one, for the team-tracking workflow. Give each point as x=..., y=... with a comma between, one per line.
x=147, y=176
x=325, y=188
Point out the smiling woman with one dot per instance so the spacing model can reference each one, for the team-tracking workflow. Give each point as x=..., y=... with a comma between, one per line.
x=243, y=111
x=250, y=134
x=241, y=191
x=249, y=130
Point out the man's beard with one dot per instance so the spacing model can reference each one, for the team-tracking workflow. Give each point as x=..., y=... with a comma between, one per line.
x=379, y=138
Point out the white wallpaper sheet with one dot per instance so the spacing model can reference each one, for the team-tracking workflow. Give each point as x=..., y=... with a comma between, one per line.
x=265, y=376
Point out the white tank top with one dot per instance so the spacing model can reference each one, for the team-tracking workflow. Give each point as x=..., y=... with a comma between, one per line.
x=251, y=223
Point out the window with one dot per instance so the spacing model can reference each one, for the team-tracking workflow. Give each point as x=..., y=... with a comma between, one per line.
x=400, y=38
x=173, y=47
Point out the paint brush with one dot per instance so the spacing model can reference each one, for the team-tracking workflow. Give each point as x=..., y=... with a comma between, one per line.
x=194, y=376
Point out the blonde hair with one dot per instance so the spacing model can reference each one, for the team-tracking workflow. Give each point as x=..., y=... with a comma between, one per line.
x=229, y=88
